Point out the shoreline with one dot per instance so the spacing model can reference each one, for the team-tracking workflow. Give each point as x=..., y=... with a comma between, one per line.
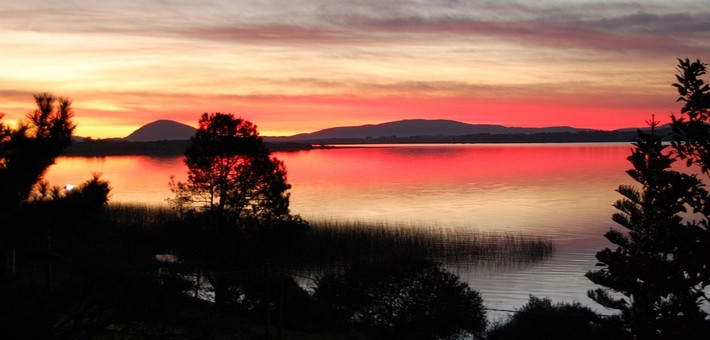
x=98, y=148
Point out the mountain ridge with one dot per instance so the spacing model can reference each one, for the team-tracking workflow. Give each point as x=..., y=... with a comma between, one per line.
x=419, y=128
x=169, y=130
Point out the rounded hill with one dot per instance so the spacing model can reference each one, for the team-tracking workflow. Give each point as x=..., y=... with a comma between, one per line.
x=161, y=130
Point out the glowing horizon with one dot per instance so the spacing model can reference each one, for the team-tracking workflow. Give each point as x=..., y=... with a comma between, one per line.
x=301, y=66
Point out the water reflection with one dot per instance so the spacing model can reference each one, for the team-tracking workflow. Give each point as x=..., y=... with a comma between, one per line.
x=542, y=188
x=134, y=179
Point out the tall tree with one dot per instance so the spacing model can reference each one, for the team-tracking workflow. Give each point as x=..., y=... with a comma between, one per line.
x=658, y=275
x=27, y=151
x=231, y=175
x=691, y=141
x=25, y=154
x=239, y=196
x=691, y=132
x=650, y=269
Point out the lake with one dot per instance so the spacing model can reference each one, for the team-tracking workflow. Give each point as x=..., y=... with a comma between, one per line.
x=561, y=191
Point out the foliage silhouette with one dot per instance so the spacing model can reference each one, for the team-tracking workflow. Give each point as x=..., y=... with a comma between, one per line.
x=691, y=133
x=27, y=151
x=235, y=201
x=691, y=142
x=649, y=267
x=404, y=299
x=77, y=272
x=541, y=319
x=90, y=196
x=25, y=154
x=659, y=270
x=231, y=175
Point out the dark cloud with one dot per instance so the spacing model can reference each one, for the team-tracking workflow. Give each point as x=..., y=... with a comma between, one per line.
x=644, y=32
x=592, y=25
x=695, y=24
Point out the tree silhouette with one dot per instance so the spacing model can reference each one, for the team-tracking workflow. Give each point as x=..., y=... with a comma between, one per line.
x=237, y=197
x=691, y=141
x=231, y=175
x=658, y=274
x=691, y=133
x=650, y=267
x=25, y=154
x=27, y=151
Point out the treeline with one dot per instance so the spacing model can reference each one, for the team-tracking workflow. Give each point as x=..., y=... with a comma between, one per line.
x=112, y=147
x=619, y=136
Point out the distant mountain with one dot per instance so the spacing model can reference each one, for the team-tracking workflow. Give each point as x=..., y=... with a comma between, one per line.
x=404, y=131
x=159, y=138
x=160, y=130
x=420, y=128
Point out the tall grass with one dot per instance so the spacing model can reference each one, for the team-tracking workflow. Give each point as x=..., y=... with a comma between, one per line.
x=333, y=244
x=141, y=216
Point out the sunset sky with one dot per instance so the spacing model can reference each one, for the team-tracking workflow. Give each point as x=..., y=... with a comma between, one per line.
x=294, y=66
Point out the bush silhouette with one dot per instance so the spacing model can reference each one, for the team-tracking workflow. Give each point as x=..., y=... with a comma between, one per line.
x=404, y=299
x=540, y=319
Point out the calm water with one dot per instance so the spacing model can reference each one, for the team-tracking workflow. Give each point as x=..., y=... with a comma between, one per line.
x=564, y=192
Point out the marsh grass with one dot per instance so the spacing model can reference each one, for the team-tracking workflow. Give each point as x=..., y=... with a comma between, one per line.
x=142, y=216
x=333, y=244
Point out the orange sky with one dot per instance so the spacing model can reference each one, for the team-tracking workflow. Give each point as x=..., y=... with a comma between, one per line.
x=294, y=66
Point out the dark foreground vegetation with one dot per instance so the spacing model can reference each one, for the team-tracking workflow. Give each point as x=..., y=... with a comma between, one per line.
x=227, y=259
x=114, y=271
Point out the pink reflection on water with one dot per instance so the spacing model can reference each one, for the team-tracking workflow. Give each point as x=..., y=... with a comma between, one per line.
x=136, y=179
x=501, y=187
x=427, y=165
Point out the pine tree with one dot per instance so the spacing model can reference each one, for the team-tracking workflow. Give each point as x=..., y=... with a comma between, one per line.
x=651, y=276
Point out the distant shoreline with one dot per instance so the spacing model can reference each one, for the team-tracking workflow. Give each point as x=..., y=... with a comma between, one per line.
x=482, y=138
x=99, y=148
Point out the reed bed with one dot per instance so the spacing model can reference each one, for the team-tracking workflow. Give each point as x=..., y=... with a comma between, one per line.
x=142, y=216
x=333, y=244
